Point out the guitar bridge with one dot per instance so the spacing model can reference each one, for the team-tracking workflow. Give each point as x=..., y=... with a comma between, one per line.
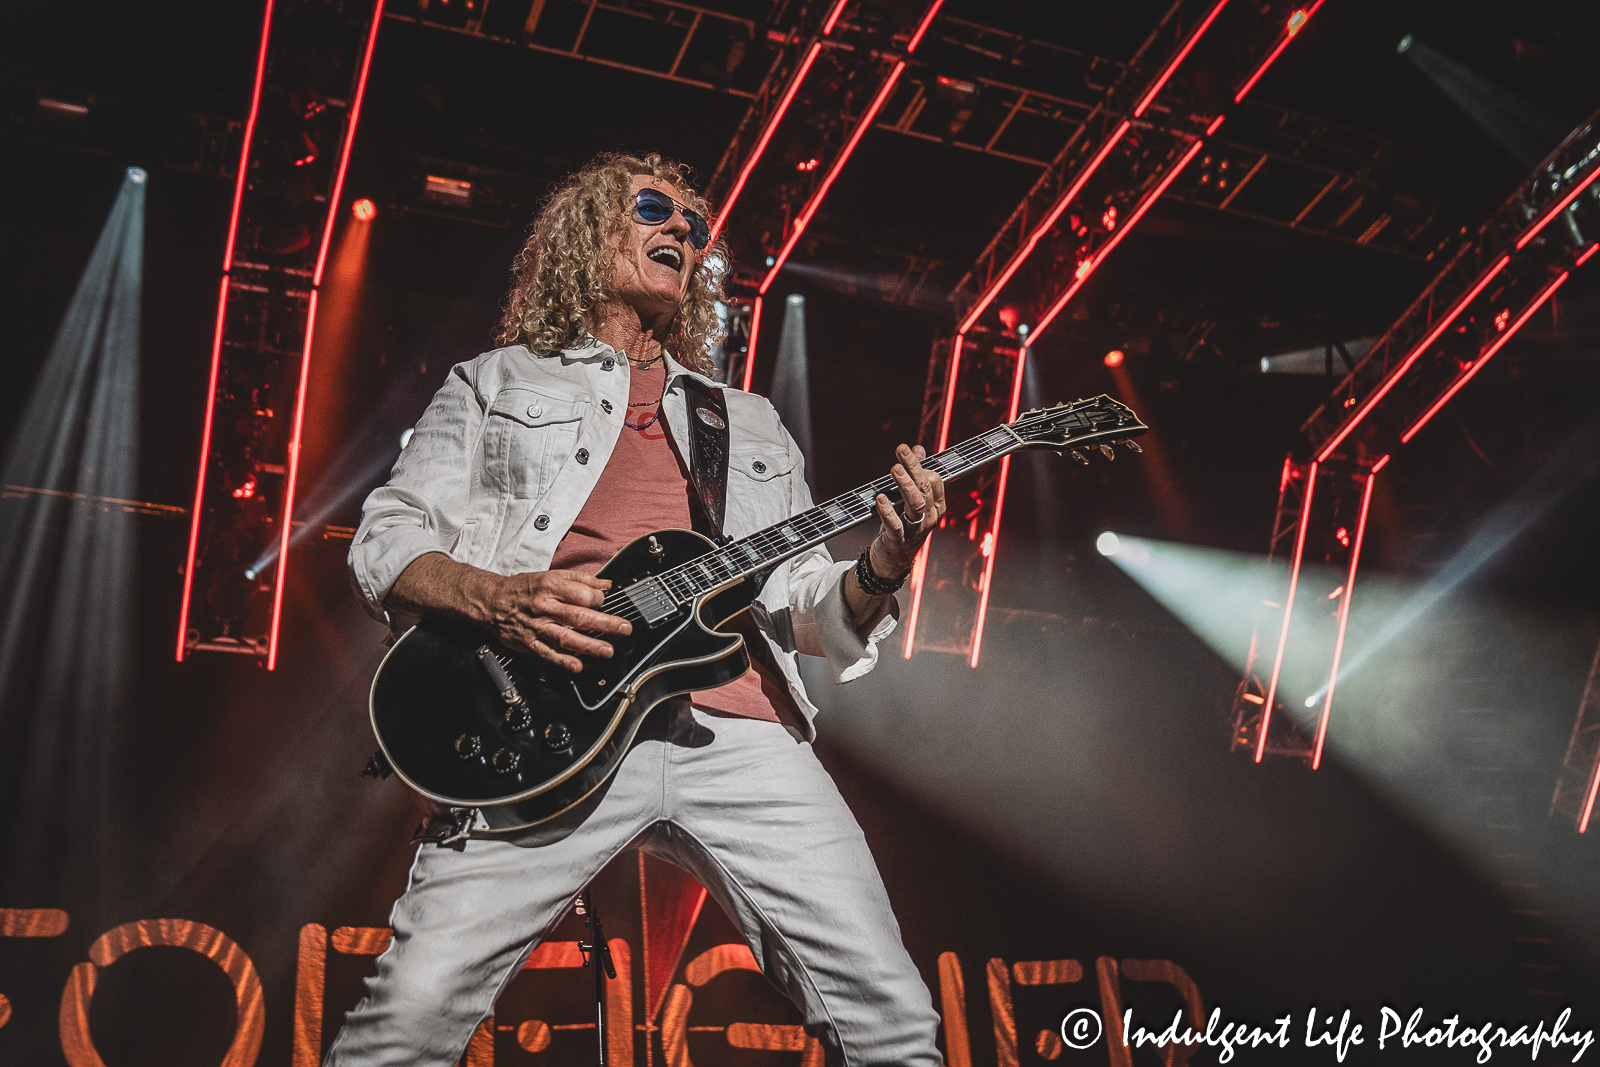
x=651, y=600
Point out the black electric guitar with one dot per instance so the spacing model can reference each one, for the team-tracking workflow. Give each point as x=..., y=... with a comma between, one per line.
x=472, y=724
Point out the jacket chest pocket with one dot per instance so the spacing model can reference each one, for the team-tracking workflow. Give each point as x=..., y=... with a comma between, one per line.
x=527, y=440
x=758, y=480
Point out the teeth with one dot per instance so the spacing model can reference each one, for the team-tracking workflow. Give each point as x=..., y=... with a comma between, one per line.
x=666, y=255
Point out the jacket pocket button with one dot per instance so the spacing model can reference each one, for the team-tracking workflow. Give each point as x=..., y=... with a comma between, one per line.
x=583, y=455
x=534, y=411
x=605, y=406
x=607, y=363
x=542, y=522
x=759, y=467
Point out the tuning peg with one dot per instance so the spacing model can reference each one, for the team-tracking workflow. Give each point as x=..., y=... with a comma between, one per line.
x=1132, y=445
x=1105, y=450
x=1079, y=456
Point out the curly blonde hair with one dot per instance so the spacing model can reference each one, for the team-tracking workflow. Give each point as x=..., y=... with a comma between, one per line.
x=560, y=279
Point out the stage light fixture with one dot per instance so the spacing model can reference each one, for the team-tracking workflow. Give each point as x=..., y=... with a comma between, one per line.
x=1114, y=357
x=1404, y=46
x=363, y=210
x=137, y=175
x=806, y=166
x=771, y=260
x=1107, y=543
x=1010, y=316
x=450, y=191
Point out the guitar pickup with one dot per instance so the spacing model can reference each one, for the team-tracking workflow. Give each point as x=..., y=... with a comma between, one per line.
x=651, y=600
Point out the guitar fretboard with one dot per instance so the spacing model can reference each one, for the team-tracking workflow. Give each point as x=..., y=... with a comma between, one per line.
x=768, y=547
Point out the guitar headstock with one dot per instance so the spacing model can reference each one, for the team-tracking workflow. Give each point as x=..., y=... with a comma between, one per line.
x=1098, y=421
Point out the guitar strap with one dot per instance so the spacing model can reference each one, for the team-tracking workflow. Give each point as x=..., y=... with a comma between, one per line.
x=708, y=450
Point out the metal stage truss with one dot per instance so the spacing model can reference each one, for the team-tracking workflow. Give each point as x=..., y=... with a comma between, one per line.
x=311, y=71
x=1153, y=119
x=1494, y=279
x=1580, y=768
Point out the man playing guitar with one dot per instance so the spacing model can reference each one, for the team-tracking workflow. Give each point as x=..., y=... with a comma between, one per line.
x=531, y=467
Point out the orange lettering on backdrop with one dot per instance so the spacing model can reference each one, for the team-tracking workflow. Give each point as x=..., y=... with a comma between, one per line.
x=28, y=922
x=1105, y=969
x=700, y=970
x=1005, y=1019
x=1173, y=1054
x=953, y=1005
x=78, y=1046
x=534, y=1034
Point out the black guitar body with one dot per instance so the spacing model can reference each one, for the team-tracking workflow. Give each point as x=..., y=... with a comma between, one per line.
x=451, y=735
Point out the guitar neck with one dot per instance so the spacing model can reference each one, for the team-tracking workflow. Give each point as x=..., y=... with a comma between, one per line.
x=798, y=533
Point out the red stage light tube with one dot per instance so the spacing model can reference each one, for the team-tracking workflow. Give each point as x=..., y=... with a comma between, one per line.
x=1383, y=461
x=1297, y=22
x=1288, y=612
x=833, y=17
x=999, y=508
x=344, y=153
x=804, y=219
x=1588, y=800
x=1586, y=256
x=244, y=153
x=1395, y=375
x=750, y=348
x=1133, y=220
x=293, y=472
x=927, y=20
x=1183, y=53
x=200, y=481
x=1488, y=354
x=1216, y=124
x=1560, y=206
x=1344, y=617
x=1043, y=228
x=766, y=134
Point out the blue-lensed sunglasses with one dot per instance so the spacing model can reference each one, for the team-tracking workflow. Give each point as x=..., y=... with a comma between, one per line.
x=652, y=207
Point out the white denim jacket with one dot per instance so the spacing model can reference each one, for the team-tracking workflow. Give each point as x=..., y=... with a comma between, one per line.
x=510, y=448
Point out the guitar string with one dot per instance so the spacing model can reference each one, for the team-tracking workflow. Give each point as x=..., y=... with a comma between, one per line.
x=819, y=522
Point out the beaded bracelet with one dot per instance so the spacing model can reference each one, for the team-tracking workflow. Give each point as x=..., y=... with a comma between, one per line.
x=868, y=579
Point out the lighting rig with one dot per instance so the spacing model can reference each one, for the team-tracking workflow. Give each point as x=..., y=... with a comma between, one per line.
x=1494, y=279
x=311, y=71
x=1198, y=65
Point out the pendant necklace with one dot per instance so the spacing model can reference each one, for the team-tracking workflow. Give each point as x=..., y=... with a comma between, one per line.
x=650, y=420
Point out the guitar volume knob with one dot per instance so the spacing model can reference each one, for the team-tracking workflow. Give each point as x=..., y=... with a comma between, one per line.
x=469, y=746
x=557, y=736
x=505, y=761
x=519, y=717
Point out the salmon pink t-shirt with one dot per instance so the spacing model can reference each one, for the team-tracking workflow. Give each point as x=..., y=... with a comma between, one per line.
x=645, y=488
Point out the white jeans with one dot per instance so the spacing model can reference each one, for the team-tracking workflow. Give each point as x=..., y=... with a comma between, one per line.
x=739, y=804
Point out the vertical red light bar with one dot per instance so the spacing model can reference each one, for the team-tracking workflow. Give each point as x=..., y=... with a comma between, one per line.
x=922, y=27
x=1588, y=800
x=750, y=348
x=216, y=343
x=200, y=482
x=1344, y=616
x=804, y=218
x=999, y=507
x=351, y=120
x=249, y=132
x=1116, y=238
x=1297, y=22
x=766, y=134
x=1043, y=228
x=920, y=568
x=288, y=489
x=1183, y=53
x=1411, y=357
x=1488, y=354
x=1288, y=611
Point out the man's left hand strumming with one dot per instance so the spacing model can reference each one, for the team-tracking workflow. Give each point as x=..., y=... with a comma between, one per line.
x=889, y=558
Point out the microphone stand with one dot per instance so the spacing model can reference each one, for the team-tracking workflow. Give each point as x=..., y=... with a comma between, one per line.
x=597, y=956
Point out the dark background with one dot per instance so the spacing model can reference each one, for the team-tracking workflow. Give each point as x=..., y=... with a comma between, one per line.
x=1072, y=798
